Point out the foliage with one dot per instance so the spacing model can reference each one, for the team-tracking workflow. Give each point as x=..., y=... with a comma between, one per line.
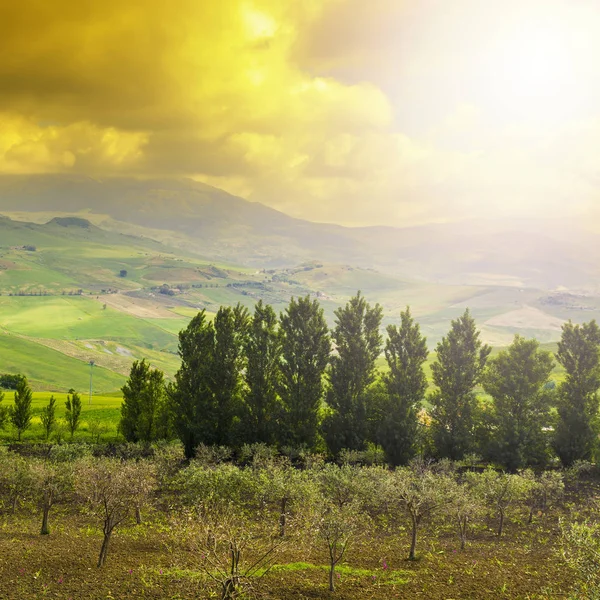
x=516, y=380
x=579, y=354
x=20, y=412
x=500, y=491
x=191, y=398
x=262, y=408
x=581, y=552
x=4, y=412
x=305, y=352
x=48, y=417
x=228, y=364
x=143, y=412
x=419, y=491
x=460, y=361
x=73, y=411
x=398, y=427
x=357, y=343
x=110, y=488
x=50, y=484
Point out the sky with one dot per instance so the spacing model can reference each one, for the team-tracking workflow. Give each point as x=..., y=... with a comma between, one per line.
x=390, y=112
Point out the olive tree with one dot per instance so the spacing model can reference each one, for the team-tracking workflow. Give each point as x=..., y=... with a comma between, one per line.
x=419, y=492
x=463, y=507
x=500, y=491
x=50, y=484
x=110, y=488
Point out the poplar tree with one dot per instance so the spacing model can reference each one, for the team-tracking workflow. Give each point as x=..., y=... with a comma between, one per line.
x=516, y=380
x=228, y=363
x=48, y=417
x=305, y=352
x=357, y=344
x=398, y=430
x=4, y=412
x=191, y=398
x=262, y=407
x=20, y=413
x=143, y=414
x=579, y=354
x=73, y=412
x=460, y=362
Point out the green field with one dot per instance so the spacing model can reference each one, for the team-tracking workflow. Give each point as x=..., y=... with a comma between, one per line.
x=104, y=408
x=72, y=318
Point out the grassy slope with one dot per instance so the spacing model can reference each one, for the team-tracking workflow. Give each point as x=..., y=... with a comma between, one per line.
x=50, y=338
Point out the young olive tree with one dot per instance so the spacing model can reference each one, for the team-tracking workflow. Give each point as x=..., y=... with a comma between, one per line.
x=235, y=552
x=545, y=489
x=110, y=488
x=337, y=526
x=500, y=491
x=290, y=491
x=463, y=507
x=15, y=479
x=419, y=492
x=50, y=483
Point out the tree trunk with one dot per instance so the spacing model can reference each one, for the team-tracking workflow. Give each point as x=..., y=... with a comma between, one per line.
x=463, y=532
x=45, y=529
x=530, y=520
x=501, y=525
x=331, y=577
x=104, y=549
x=282, y=517
x=138, y=516
x=413, y=542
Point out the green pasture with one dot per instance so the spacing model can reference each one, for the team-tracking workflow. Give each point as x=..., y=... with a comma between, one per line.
x=78, y=317
x=49, y=369
x=104, y=408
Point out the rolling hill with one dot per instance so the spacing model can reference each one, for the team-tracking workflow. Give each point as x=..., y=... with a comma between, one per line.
x=112, y=271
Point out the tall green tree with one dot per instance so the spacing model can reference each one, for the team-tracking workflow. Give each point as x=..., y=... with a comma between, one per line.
x=304, y=356
x=20, y=412
x=143, y=414
x=262, y=407
x=579, y=354
x=191, y=398
x=460, y=362
x=516, y=380
x=228, y=365
x=4, y=412
x=357, y=344
x=73, y=411
x=48, y=417
x=398, y=427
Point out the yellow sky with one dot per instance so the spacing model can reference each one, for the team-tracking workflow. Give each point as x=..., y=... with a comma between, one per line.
x=378, y=112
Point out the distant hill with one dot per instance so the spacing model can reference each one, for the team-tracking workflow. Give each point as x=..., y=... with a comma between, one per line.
x=544, y=253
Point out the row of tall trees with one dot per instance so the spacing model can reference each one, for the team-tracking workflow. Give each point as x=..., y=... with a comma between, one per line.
x=289, y=381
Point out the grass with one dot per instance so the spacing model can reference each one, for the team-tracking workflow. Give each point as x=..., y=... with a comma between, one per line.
x=51, y=370
x=105, y=408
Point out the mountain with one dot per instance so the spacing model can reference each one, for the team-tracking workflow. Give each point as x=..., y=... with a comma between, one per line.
x=205, y=220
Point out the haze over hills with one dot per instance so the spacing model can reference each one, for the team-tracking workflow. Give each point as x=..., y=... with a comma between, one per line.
x=545, y=253
x=111, y=271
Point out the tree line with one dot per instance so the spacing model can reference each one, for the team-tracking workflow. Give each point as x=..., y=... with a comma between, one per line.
x=288, y=381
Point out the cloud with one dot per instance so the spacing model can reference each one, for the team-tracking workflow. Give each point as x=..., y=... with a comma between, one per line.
x=381, y=112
